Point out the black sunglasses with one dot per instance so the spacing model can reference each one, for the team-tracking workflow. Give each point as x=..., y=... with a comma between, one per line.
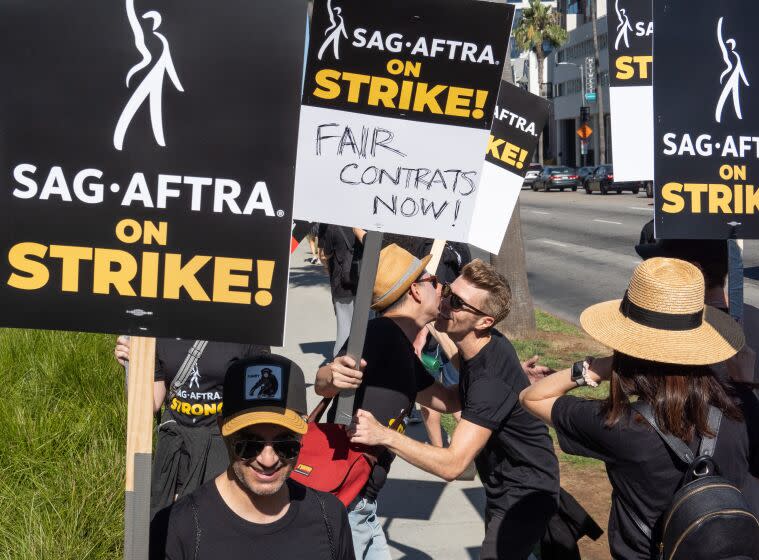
x=457, y=303
x=247, y=449
x=432, y=279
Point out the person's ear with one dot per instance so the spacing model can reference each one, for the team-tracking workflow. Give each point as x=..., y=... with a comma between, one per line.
x=484, y=323
x=415, y=293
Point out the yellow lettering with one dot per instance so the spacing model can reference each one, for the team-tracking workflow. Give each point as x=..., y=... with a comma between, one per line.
x=674, y=202
x=71, y=256
x=177, y=276
x=493, y=145
x=326, y=80
x=355, y=81
x=457, y=104
x=719, y=199
x=510, y=153
x=695, y=190
x=625, y=70
x=224, y=279
x=427, y=98
x=384, y=90
x=37, y=271
x=149, y=279
x=105, y=276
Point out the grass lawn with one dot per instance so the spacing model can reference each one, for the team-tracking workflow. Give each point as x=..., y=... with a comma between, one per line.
x=62, y=429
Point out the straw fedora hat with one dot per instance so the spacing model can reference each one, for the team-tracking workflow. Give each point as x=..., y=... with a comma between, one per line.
x=663, y=318
x=396, y=271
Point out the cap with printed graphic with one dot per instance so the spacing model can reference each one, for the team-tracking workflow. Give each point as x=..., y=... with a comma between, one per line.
x=265, y=389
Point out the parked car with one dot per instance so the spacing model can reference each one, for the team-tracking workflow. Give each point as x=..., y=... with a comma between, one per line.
x=533, y=170
x=602, y=180
x=583, y=173
x=556, y=177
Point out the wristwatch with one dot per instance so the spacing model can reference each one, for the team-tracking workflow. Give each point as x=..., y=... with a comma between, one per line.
x=577, y=373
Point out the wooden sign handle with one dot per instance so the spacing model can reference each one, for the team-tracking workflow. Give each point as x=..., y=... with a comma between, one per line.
x=141, y=370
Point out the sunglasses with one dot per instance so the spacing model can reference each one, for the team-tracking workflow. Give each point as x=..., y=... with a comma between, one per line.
x=247, y=449
x=432, y=279
x=457, y=303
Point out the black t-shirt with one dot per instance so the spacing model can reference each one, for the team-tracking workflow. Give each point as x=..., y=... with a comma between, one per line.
x=518, y=459
x=393, y=376
x=340, y=256
x=642, y=471
x=200, y=398
x=301, y=533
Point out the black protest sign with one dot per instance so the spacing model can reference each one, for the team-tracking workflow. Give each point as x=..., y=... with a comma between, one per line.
x=630, y=43
x=397, y=105
x=423, y=60
x=707, y=121
x=518, y=120
x=147, y=153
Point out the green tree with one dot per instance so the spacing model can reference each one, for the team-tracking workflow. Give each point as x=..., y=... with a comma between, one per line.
x=539, y=29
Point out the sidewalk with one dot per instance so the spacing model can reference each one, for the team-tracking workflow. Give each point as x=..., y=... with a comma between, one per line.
x=424, y=517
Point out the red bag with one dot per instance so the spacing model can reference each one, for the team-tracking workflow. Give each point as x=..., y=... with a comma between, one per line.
x=329, y=462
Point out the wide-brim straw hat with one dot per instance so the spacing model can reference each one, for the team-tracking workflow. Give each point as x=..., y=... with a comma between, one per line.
x=396, y=271
x=662, y=318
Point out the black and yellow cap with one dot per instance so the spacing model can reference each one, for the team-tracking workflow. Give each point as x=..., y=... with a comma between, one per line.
x=266, y=389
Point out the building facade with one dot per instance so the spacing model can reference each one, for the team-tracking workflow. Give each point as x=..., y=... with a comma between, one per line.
x=565, y=87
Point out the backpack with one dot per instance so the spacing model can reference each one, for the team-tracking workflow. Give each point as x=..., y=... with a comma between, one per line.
x=708, y=517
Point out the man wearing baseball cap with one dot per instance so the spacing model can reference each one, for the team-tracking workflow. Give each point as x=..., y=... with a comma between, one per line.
x=254, y=508
x=407, y=299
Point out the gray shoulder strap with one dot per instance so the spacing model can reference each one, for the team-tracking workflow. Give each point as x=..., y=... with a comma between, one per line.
x=677, y=445
x=708, y=443
x=193, y=355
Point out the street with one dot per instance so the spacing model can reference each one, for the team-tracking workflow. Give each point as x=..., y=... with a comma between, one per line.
x=580, y=248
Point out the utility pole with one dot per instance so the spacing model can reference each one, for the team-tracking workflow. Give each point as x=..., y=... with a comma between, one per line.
x=600, y=90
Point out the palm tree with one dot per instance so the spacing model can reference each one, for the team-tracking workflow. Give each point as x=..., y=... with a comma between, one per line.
x=538, y=30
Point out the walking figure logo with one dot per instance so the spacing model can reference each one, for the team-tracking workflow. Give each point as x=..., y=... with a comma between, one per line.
x=623, y=27
x=151, y=88
x=334, y=31
x=735, y=69
x=195, y=376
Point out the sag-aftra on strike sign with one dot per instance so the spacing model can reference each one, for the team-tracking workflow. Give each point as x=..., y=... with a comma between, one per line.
x=146, y=159
x=707, y=121
x=397, y=105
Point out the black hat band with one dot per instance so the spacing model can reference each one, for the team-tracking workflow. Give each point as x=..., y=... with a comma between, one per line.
x=658, y=320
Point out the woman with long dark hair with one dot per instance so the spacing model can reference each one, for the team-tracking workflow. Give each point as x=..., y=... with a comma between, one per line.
x=664, y=339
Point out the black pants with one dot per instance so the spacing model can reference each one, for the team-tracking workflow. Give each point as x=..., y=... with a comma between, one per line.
x=512, y=534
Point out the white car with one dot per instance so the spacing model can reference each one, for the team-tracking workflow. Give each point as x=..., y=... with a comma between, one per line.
x=532, y=173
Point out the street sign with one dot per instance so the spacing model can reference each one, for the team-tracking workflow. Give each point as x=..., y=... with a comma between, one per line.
x=584, y=147
x=590, y=97
x=584, y=131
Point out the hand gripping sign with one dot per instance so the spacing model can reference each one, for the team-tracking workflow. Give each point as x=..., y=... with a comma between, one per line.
x=397, y=106
x=147, y=173
x=706, y=135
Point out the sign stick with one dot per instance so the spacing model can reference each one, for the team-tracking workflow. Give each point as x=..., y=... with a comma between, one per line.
x=139, y=447
x=735, y=278
x=366, y=276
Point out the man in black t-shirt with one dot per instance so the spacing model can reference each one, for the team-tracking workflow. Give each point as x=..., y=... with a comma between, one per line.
x=407, y=298
x=189, y=449
x=253, y=509
x=512, y=449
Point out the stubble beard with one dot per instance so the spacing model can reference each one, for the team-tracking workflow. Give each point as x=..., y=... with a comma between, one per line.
x=259, y=489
